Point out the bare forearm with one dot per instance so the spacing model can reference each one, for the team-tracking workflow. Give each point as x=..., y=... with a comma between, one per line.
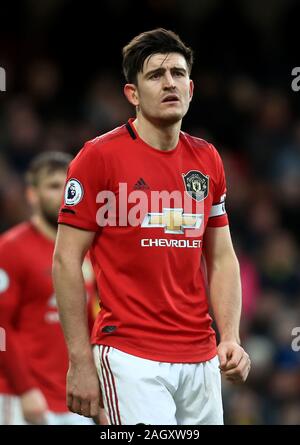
x=71, y=300
x=225, y=297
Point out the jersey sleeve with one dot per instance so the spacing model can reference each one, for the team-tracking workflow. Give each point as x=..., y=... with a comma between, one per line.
x=13, y=361
x=218, y=216
x=85, y=179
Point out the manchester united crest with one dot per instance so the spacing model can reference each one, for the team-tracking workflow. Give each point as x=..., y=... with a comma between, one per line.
x=196, y=184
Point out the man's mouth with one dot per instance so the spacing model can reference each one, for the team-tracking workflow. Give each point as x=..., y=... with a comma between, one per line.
x=171, y=98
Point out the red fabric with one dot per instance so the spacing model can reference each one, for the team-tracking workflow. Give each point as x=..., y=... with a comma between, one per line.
x=36, y=354
x=153, y=294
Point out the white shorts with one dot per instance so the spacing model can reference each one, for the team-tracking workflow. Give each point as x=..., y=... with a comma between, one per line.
x=10, y=410
x=11, y=414
x=137, y=390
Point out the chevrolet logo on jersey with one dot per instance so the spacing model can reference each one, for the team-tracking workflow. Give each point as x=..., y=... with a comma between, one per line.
x=173, y=220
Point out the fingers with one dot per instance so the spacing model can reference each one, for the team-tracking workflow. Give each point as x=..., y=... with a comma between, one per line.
x=85, y=408
x=83, y=389
x=230, y=354
x=103, y=418
x=94, y=408
x=75, y=406
x=240, y=372
x=36, y=418
x=235, y=359
x=88, y=407
x=34, y=406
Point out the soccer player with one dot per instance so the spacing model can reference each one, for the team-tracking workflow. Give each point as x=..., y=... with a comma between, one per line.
x=33, y=367
x=155, y=351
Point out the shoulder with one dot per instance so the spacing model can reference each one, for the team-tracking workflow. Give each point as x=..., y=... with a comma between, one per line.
x=97, y=147
x=202, y=145
x=110, y=136
x=14, y=240
x=17, y=233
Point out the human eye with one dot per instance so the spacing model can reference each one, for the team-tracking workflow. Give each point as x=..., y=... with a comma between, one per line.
x=155, y=76
x=178, y=73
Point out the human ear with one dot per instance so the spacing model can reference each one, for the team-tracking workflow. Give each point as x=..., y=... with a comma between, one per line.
x=131, y=93
x=191, y=89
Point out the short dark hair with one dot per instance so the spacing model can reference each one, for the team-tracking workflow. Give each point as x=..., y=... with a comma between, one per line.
x=147, y=43
x=50, y=161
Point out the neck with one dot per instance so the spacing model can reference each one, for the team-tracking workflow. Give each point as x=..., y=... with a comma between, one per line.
x=162, y=138
x=44, y=227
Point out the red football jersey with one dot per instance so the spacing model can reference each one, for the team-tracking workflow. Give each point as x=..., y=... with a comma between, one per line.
x=36, y=354
x=147, y=257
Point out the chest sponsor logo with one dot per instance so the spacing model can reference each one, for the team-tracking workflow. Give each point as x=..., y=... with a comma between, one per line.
x=177, y=243
x=173, y=221
x=196, y=184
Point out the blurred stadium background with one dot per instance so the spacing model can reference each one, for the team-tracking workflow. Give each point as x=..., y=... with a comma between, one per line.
x=64, y=86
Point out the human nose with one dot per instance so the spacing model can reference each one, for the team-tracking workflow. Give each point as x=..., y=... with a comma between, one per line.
x=168, y=80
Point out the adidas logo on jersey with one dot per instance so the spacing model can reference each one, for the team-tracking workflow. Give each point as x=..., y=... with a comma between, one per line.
x=141, y=185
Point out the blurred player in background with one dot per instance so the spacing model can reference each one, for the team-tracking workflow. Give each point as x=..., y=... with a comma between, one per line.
x=33, y=368
x=155, y=350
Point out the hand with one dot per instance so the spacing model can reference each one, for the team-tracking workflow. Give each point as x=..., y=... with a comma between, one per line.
x=101, y=418
x=234, y=361
x=34, y=407
x=83, y=389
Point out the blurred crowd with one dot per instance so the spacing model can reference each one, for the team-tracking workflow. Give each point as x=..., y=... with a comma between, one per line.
x=255, y=125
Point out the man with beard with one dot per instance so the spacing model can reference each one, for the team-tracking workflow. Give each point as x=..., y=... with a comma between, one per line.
x=155, y=351
x=33, y=368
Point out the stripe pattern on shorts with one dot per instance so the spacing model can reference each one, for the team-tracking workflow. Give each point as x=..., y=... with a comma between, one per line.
x=109, y=385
